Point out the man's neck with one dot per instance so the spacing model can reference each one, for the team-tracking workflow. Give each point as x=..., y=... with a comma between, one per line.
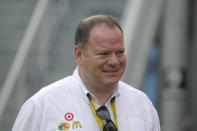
x=101, y=92
x=102, y=95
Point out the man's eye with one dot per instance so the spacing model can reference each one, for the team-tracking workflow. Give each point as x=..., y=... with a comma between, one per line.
x=120, y=53
x=103, y=54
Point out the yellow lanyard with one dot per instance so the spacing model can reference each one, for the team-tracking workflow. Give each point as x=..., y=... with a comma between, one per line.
x=99, y=120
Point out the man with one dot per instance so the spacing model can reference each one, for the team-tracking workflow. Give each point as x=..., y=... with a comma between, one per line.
x=93, y=98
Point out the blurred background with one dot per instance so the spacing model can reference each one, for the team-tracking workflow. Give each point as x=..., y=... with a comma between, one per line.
x=37, y=40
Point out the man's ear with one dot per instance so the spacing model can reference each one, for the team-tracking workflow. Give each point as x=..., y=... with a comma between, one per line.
x=78, y=53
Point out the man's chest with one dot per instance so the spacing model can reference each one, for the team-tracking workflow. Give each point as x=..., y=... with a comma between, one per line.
x=71, y=117
x=82, y=119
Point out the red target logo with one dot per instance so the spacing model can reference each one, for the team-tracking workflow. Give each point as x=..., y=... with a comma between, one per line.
x=69, y=116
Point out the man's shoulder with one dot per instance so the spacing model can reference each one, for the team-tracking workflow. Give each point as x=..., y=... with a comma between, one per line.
x=128, y=88
x=135, y=95
x=130, y=91
x=64, y=82
x=56, y=89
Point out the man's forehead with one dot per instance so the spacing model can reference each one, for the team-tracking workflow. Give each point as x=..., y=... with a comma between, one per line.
x=102, y=27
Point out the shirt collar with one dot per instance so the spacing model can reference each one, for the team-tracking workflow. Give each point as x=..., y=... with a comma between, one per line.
x=84, y=91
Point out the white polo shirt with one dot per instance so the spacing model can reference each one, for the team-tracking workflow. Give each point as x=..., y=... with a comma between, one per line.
x=64, y=105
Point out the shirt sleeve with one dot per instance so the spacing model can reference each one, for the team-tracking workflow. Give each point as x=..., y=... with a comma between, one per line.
x=156, y=124
x=155, y=117
x=29, y=118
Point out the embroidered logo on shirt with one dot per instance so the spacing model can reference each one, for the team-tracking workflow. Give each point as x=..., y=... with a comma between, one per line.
x=69, y=116
x=76, y=124
x=67, y=125
x=64, y=126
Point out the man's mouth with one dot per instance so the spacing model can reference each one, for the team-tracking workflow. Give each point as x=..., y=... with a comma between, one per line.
x=110, y=71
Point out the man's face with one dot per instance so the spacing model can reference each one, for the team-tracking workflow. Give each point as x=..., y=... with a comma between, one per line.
x=103, y=61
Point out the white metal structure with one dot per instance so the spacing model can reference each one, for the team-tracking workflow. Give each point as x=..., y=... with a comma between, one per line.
x=22, y=53
x=174, y=64
x=139, y=23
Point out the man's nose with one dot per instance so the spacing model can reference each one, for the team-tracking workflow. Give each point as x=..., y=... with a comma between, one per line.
x=113, y=60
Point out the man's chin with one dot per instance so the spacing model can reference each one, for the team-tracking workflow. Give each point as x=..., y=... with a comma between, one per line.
x=112, y=83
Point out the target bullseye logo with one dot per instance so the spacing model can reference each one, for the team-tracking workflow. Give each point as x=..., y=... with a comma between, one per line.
x=69, y=116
